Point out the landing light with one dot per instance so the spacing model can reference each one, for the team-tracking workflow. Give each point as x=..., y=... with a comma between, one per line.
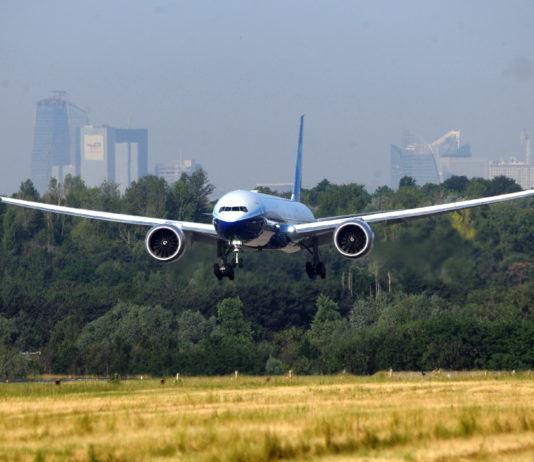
x=291, y=229
x=237, y=243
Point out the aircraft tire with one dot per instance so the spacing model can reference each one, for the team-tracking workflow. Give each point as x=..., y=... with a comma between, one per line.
x=310, y=270
x=217, y=271
x=321, y=270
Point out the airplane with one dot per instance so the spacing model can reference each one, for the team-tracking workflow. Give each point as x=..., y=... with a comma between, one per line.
x=250, y=221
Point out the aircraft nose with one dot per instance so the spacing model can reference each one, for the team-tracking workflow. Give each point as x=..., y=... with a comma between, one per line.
x=243, y=230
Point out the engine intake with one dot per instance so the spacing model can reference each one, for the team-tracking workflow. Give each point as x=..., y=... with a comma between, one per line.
x=166, y=243
x=354, y=238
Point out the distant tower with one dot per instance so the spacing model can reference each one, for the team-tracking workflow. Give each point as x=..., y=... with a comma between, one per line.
x=56, y=139
x=116, y=155
x=415, y=159
x=526, y=154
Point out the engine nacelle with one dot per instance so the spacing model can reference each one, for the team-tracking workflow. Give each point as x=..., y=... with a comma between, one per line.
x=166, y=243
x=354, y=238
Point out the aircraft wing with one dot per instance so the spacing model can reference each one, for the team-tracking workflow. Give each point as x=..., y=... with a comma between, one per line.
x=200, y=229
x=326, y=225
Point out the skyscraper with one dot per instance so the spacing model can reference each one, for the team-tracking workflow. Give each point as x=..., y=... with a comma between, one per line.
x=434, y=162
x=131, y=155
x=117, y=155
x=56, y=139
x=418, y=163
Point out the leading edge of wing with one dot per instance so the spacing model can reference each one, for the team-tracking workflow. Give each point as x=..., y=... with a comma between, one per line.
x=326, y=224
x=202, y=228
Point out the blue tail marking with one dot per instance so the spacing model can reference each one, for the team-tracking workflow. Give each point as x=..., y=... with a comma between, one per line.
x=295, y=196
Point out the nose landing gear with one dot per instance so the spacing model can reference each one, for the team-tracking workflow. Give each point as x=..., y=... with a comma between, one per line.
x=224, y=268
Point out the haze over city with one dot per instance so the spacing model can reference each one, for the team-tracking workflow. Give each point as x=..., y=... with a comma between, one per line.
x=225, y=82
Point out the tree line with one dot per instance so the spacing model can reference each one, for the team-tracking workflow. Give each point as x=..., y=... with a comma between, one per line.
x=452, y=291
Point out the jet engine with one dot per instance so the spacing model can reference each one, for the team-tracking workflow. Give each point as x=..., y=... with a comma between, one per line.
x=166, y=243
x=354, y=238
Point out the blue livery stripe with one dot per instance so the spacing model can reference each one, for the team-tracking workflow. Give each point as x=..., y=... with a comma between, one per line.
x=295, y=196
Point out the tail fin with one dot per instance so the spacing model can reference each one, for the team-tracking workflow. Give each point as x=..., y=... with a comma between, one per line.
x=295, y=196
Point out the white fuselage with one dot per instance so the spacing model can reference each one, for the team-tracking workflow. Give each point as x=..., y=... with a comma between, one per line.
x=258, y=220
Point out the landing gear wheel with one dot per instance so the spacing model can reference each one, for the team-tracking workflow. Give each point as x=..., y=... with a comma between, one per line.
x=316, y=266
x=217, y=271
x=226, y=268
x=230, y=272
x=320, y=269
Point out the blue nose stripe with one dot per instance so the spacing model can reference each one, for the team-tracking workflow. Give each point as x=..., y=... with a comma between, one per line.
x=243, y=230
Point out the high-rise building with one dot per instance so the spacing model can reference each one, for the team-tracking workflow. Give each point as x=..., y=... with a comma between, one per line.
x=520, y=169
x=131, y=155
x=522, y=173
x=56, y=141
x=416, y=161
x=116, y=155
x=434, y=162
x=526, y=152
x=471, y=167
x=172, y=171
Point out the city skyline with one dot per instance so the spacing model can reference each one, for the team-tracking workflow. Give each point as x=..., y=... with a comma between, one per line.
x=225, y=84
x=64, y=130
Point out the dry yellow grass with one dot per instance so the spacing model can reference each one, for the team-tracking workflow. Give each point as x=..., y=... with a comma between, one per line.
x=251, y=419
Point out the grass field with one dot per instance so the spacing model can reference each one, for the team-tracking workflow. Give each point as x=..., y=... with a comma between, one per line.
x=340, y=418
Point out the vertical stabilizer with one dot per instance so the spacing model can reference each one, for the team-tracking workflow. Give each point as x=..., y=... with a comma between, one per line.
x=295, y=196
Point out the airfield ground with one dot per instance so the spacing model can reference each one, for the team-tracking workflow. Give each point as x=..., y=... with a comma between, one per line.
x=335, y=418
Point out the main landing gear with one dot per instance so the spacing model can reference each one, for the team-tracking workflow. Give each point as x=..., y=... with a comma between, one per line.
x=316, y=266
x=223, y=268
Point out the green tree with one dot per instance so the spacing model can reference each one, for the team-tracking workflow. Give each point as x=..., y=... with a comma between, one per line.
x=456, y=183
x=325, y=322
x=12, y=364
x=75, y=192
x=274, y=366
x=193, y=328
x=131, y=338
x=342, y=199
x=148, y=197
x=62, y=345
x=189, y=197
x=231, y=322
x=407, y=182
x=12, y=236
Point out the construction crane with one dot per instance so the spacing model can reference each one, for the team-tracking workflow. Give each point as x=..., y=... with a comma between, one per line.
x=453, y=135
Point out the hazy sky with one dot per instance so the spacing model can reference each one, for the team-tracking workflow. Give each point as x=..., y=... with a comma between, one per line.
x=224, y=82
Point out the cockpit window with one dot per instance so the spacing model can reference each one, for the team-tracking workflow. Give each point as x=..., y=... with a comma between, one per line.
x=233, y=209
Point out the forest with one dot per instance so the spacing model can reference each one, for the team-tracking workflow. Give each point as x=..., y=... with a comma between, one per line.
x=454, y=291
